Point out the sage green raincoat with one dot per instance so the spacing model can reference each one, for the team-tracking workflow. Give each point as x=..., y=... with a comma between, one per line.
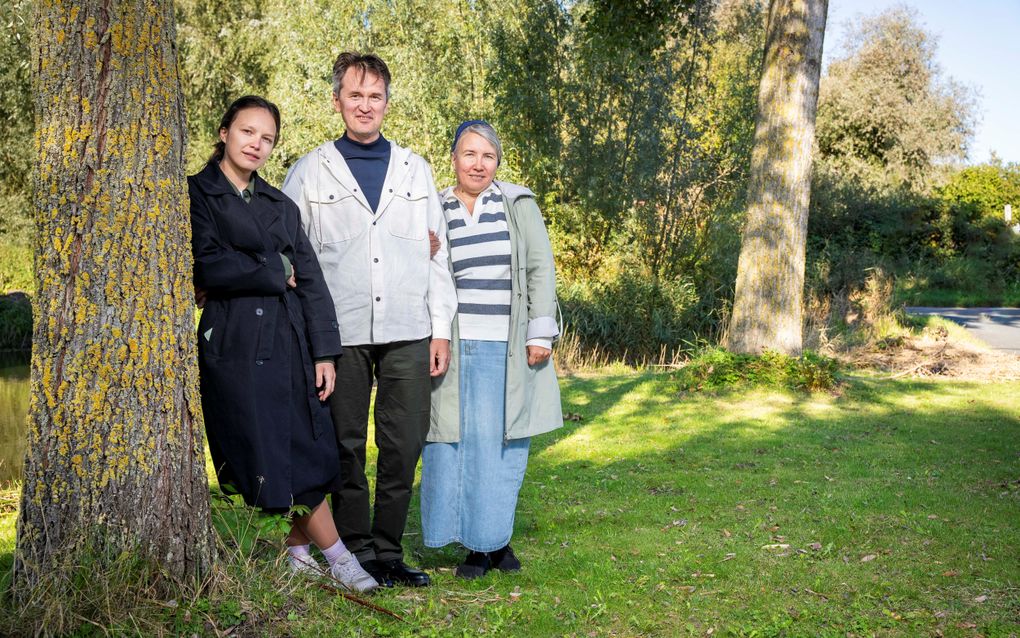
x=532, y=393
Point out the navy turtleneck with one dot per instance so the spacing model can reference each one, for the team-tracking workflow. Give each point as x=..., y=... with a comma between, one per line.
x=368, y=164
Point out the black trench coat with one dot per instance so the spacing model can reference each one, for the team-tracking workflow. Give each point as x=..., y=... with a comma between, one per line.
x=269, y=436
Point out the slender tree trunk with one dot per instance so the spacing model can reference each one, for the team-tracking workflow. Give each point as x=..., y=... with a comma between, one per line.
x=115, y=460
x=768, y=307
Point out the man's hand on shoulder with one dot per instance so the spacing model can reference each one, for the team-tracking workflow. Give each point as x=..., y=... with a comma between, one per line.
x=439, y=357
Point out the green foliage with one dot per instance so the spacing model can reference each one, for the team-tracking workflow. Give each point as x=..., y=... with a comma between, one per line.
x=984, y=190
x=15, y=323
x=15, y=267
x=223, y=56
x=632, y=121
x=886, y=194
x=16, y=122
x=636, y=145
x=886, y=116
x=630, y=317
x=717, y=369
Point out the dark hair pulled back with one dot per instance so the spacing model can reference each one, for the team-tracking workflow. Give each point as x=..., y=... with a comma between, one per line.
x=238, y=105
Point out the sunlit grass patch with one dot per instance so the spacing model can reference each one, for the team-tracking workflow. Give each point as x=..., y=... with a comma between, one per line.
x=887, y=510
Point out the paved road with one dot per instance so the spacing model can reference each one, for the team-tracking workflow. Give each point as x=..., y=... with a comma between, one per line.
x=998, y=327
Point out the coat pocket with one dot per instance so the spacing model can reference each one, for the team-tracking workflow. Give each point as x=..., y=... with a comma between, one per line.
x=338, y=215
x=408, y=215
x=210, y=330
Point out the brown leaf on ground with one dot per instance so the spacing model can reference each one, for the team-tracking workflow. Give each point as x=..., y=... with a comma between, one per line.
x=815, y=546
x=980, y=599
x=868, y=558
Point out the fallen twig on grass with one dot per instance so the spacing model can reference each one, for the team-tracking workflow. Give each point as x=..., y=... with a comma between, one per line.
x=360, y=601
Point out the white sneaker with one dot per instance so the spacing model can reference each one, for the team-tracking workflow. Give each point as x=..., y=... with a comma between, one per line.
x=304, y=566
x=351, y=575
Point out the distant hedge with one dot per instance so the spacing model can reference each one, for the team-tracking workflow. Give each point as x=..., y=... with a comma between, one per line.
x=15, y=322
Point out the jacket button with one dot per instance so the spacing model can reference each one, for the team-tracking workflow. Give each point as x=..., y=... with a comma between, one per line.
x=331, y=197
x=376, y=260
x=391, y=190
x=258, y=362
x=409, y=194
x=374, y=223
x=378, y=298
x=258, y=312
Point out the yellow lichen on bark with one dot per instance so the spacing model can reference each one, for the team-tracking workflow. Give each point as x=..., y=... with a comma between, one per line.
x=112, y=249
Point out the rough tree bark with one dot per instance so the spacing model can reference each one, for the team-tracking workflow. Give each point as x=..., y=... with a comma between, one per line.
x=768, y=306
x=116, y=458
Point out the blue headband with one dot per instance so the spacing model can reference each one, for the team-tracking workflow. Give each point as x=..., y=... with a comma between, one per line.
x=460, y=131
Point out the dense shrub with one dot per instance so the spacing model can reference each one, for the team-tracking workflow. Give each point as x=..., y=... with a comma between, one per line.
x=718, y=369
x=15, y=322
x=628, y=316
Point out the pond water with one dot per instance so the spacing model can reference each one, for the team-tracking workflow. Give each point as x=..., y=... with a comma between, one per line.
x=14, y=373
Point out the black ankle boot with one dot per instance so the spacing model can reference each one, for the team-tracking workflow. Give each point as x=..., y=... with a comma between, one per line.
x=474, y=566
x=505, y=560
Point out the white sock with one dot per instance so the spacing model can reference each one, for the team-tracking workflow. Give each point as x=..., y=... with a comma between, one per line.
x=334, y=553
x=300, y=555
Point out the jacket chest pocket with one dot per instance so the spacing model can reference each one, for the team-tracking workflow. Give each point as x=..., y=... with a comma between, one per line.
x=337, y=215
x=408, y=218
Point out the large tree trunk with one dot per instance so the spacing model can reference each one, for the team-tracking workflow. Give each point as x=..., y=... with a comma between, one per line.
x=116, y=458
x=768, y=307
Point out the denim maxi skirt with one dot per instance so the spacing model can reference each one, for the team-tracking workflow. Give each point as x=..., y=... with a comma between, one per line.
x=469, y=489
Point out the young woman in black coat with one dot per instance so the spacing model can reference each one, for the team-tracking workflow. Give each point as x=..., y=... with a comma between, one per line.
x=267, y=341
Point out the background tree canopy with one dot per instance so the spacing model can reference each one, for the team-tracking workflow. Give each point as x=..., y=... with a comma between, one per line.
x=636, y=138
x=634, y=123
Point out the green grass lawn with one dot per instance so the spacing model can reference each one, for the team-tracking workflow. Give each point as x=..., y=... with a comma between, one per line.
x=892, y=510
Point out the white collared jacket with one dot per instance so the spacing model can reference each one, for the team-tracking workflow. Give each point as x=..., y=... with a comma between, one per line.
x=376, y=263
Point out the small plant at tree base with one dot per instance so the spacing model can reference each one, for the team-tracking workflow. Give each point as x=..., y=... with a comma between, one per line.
x=718, y=369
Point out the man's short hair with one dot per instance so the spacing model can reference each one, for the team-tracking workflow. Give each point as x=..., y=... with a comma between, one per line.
x=364, y=62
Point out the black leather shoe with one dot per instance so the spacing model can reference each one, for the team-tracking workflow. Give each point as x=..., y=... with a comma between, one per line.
x=399, y=573
x=378, y=571
x=474, y=566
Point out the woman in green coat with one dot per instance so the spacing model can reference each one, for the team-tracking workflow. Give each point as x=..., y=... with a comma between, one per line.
x=501, y=387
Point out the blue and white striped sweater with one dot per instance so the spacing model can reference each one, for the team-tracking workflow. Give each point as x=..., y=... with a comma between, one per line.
x=480, y=252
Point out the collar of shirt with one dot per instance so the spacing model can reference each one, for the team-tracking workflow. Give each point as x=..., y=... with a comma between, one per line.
x=249, y=190
x=349, y=149
x=448, y=196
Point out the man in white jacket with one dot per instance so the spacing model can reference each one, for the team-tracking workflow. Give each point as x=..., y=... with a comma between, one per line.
x=367, y=206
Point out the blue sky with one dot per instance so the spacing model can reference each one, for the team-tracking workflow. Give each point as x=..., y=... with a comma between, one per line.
x=979, y=46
